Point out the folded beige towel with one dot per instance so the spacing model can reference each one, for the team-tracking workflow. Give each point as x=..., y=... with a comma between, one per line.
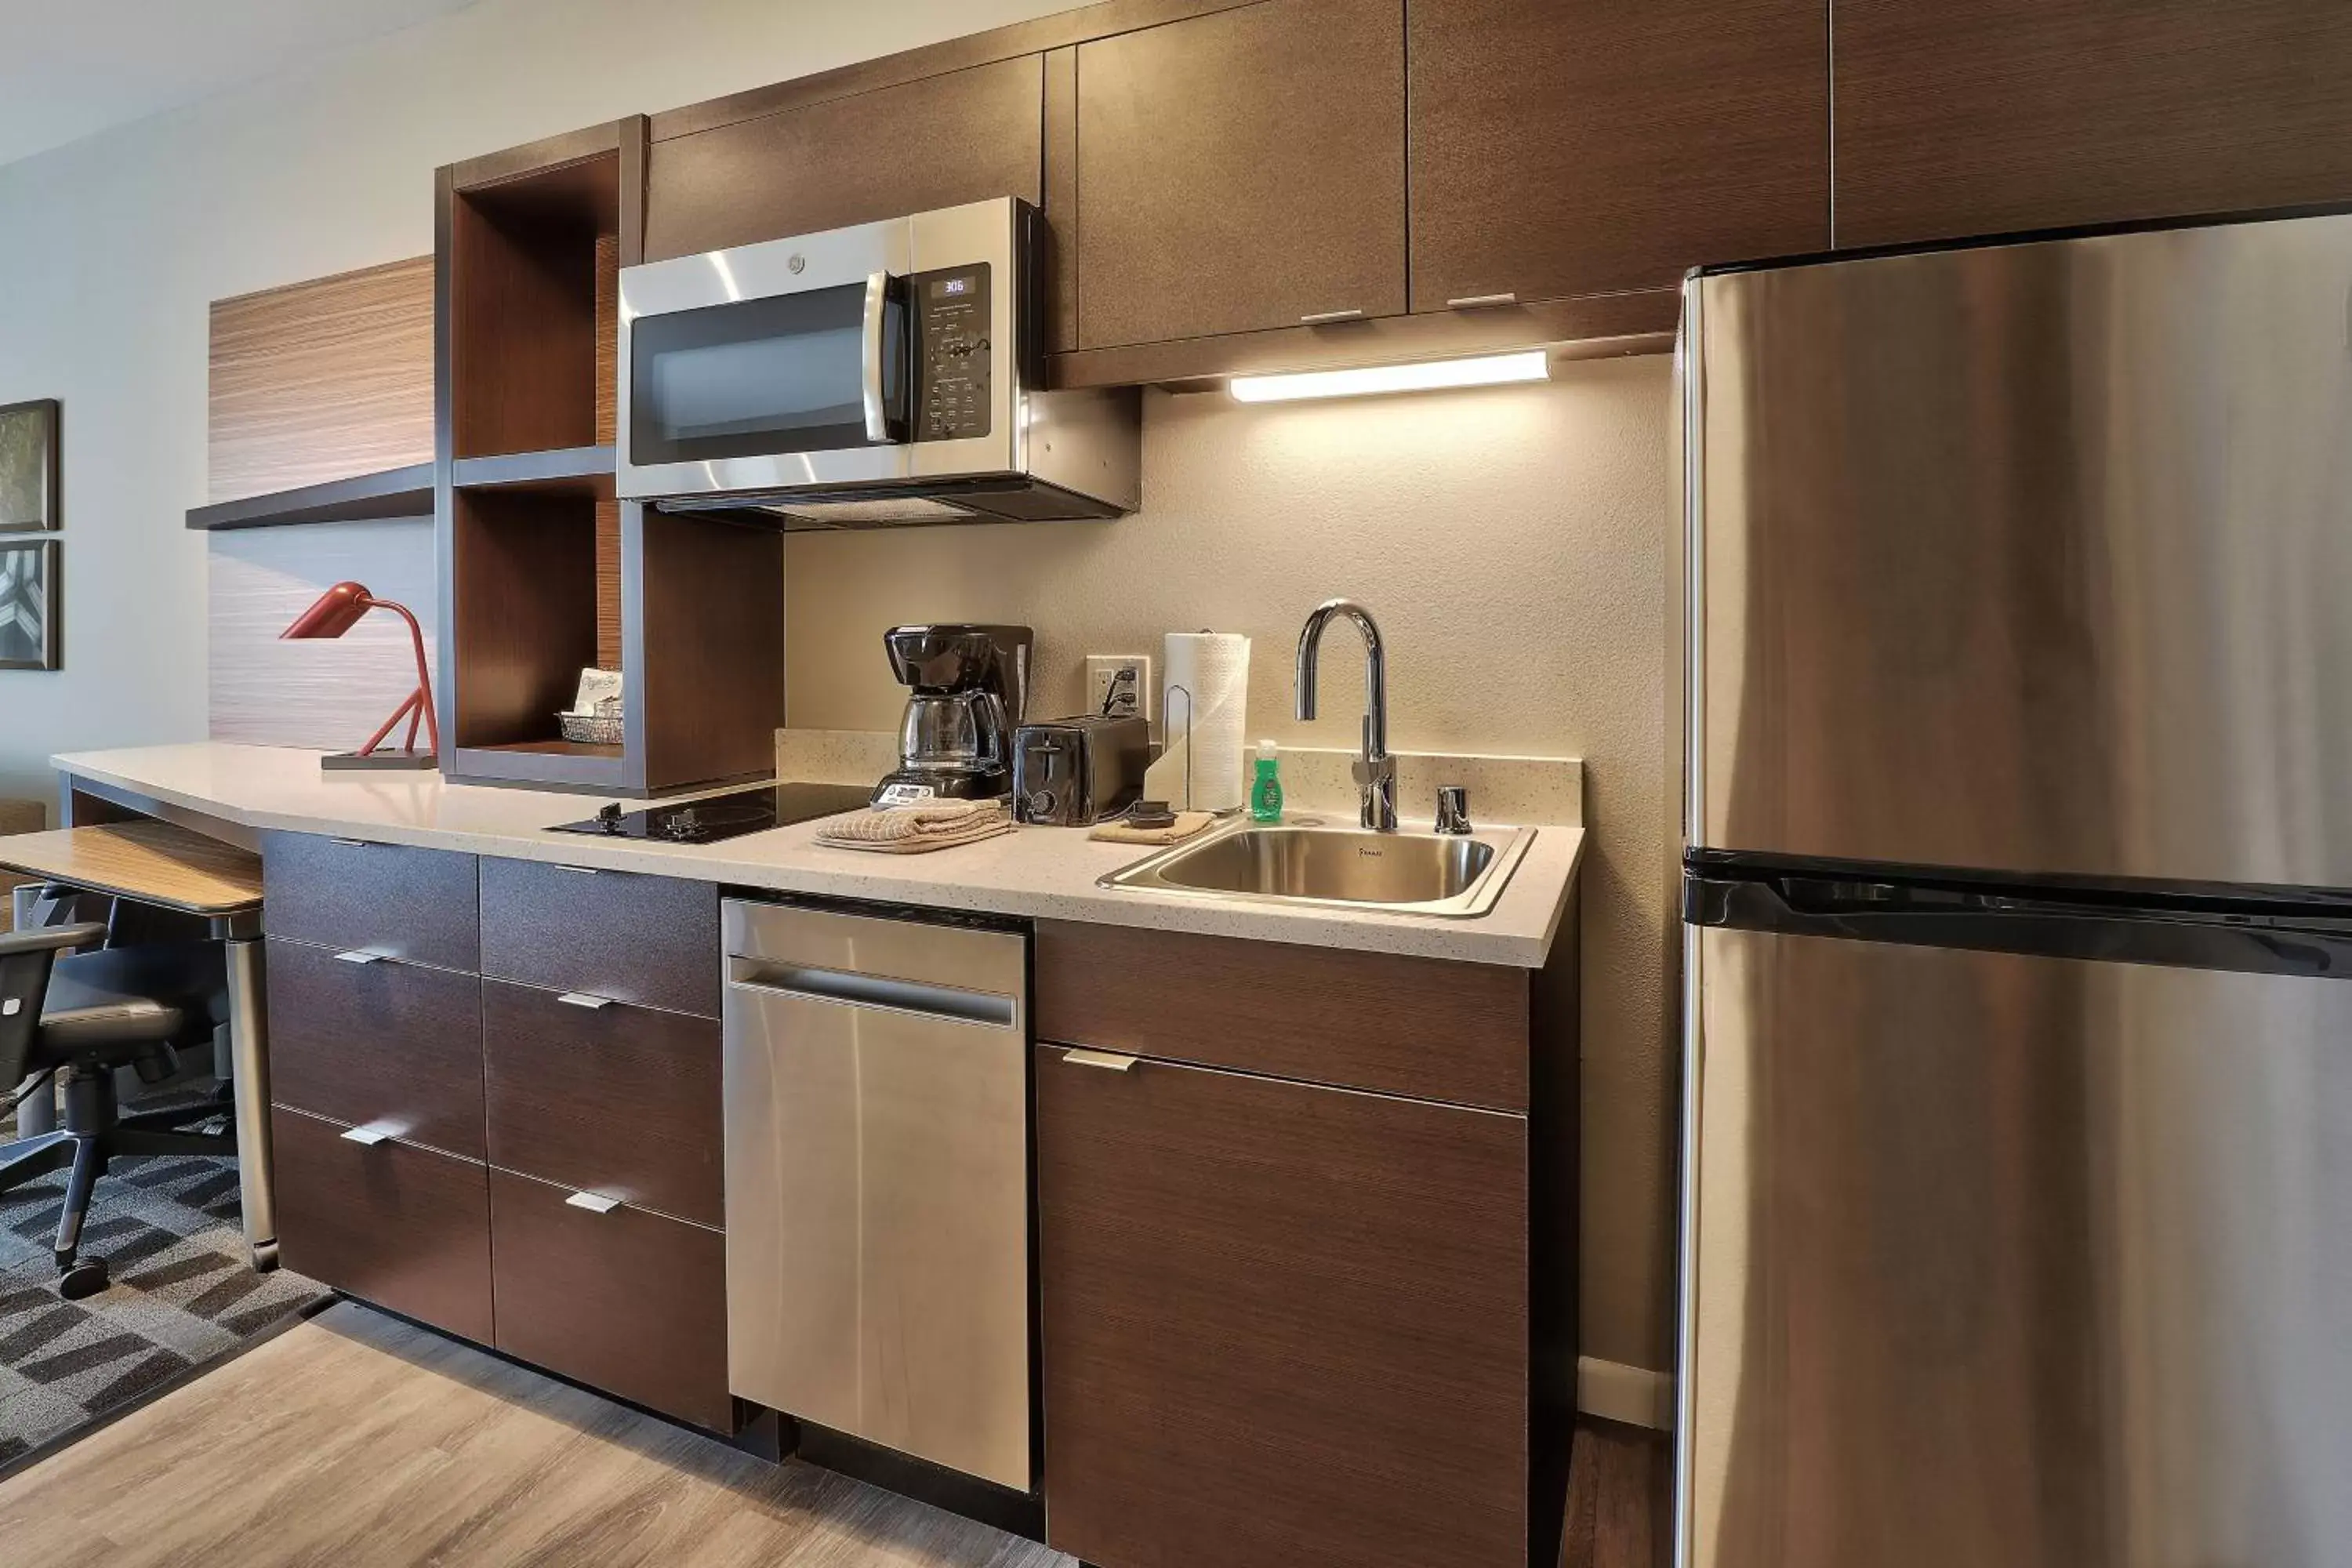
x=1118, y=830
x=917, y=830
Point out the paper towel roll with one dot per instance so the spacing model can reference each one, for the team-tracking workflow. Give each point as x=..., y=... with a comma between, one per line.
x=1214, y=667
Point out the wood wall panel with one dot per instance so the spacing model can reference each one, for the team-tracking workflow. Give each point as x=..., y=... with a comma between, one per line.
x=330, y=695
x=321, y=380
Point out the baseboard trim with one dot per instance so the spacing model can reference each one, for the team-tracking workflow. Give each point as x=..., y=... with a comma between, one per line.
x=1634, y=1395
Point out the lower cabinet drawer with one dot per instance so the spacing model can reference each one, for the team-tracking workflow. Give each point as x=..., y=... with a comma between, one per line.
x=619, y=1100
x=381, y=1044
x=404, y=1228
x=627, y=1302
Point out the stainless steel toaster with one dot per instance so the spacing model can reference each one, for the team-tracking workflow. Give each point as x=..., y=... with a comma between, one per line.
x=1070, y=772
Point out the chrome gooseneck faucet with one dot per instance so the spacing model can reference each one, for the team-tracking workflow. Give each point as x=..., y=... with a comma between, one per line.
x=1375, y=769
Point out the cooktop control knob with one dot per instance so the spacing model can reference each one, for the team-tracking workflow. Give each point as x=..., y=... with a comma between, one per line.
x=683, y=824
x=609, y=817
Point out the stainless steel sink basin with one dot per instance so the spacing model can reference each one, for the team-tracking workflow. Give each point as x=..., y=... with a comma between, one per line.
x=1457, y=874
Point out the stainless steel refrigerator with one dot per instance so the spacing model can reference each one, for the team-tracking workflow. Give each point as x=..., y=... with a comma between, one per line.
x=2018, y=906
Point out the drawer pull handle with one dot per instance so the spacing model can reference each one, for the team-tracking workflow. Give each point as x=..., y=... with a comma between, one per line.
x=1110, y=1061
x=1320, y=318
x=575, y=870
x=367, y=1137
x=358, y=955
x=352, y=843
x=595, y=1202
x=1479, y=301
x=584, y=999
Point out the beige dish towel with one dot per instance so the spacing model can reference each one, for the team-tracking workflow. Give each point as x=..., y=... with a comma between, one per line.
x=917, y=830
x=1117, y=830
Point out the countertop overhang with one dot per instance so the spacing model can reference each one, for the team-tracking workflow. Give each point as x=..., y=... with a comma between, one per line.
x=1042, y=873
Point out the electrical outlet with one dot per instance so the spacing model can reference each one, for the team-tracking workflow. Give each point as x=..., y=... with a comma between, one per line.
x=1123, y=678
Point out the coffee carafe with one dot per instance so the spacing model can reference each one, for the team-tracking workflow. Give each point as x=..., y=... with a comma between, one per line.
x=968, y=687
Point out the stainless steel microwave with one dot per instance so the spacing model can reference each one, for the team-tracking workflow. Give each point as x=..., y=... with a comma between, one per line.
x=886, y=374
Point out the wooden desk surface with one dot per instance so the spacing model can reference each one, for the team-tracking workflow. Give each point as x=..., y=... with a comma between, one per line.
x=155, y=862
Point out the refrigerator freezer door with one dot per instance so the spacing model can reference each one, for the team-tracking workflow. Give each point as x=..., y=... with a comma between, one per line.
x=2032, y=557
x=2006, y=1259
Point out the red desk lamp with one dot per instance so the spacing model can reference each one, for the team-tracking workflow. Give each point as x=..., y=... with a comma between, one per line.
x=339, y=609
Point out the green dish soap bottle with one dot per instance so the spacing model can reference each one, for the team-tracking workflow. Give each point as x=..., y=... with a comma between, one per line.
x=1266, y=790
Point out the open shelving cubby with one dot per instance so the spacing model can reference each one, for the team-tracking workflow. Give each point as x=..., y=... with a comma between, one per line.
x=544, y=571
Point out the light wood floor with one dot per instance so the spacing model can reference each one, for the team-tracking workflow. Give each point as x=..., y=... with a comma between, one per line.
x=355, y=1441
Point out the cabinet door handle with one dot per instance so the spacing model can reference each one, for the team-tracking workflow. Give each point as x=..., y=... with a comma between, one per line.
x=358, y=955
x=1110, y=1061
x=585, y=999
x=595, y=1202
x=1319, y=318
x=1478, y=302
x=367, y=1137
x=575, y=870
x=352, y=843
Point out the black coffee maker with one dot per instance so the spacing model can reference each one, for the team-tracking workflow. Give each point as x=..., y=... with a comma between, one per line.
x=969, y=687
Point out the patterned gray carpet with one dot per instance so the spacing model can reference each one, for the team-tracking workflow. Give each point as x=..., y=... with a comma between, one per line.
x=181, y=1293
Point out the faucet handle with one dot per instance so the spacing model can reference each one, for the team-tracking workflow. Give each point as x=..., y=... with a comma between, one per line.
x=1453, y=809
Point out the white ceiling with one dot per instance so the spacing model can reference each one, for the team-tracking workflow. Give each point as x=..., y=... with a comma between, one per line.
x=71, y=67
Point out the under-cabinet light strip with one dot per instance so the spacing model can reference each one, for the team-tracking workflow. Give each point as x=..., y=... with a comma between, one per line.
x=1488, y=370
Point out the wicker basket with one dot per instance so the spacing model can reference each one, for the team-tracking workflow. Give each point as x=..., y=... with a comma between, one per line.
x=591, y=729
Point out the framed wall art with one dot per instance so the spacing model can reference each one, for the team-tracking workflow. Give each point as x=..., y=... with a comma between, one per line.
x=28, y=466
x=29, y=635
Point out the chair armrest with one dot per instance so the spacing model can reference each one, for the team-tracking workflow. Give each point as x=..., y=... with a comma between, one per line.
x=53, y=939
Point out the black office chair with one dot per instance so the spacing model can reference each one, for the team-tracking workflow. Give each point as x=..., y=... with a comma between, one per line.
x=81, y=1017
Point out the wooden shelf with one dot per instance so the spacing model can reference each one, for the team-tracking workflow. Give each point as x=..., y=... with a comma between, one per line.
x=394, y=492
x=555, y=748
x=579, y=471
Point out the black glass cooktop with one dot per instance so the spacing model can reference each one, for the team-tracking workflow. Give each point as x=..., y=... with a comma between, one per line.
x=718, y=817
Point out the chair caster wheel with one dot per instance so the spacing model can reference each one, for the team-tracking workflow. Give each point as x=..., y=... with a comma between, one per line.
x=87, y=1278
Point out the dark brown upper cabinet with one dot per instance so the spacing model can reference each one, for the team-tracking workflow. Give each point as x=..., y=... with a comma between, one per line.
x=1566, y=147
x=1999, y=115
x=965, y=136
x=1240, y=170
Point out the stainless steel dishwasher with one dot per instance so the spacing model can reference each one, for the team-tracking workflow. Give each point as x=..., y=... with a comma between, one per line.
x=877, y=1160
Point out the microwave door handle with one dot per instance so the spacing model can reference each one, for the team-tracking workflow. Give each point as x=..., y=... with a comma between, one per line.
x=877, y=418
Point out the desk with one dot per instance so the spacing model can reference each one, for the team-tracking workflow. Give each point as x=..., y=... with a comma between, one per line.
x=178, y=868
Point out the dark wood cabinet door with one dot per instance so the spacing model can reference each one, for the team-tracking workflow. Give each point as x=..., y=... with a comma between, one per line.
x=650, y=940
x=1240, y=170
x=1283, y=1327
x=623, y=1300
x=965, y=136
x=1564, y=147
x=404, y=1228
x=416, y=905
x=394, y=1046
x=1998, y=115
x=617, y=1100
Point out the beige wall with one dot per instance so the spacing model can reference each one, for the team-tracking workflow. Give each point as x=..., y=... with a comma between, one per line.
x=1511, y=543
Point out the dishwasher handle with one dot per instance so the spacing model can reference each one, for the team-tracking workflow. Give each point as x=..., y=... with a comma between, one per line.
x=849, y=988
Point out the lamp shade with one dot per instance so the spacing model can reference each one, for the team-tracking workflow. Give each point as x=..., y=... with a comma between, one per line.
x=339, y=609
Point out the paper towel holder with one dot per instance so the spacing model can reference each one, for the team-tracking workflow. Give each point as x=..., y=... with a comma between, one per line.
x=1167, y=698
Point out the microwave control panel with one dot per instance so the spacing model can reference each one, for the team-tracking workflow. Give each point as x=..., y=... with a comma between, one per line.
x=952, y=310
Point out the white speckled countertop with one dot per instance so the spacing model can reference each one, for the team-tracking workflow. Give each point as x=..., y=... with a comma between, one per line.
x=1039, y=872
